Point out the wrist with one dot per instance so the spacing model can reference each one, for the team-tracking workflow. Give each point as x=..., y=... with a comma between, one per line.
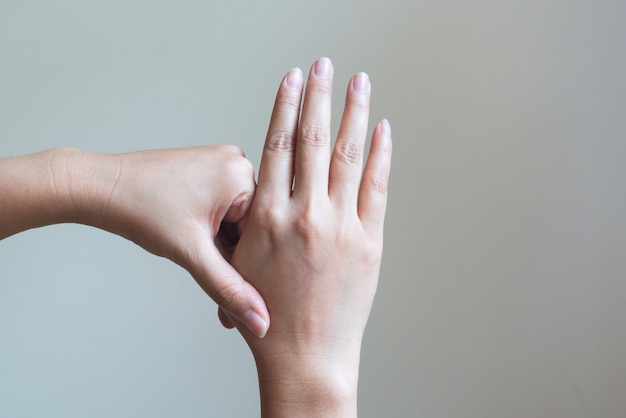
x=307, y=385
x=83, y=183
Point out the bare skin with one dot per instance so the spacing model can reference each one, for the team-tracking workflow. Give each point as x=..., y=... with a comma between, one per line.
x=314, y=251
x=311, y=235
x=170, y=202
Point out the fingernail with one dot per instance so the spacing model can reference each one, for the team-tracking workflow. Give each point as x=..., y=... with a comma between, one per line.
x=294, y=78
x=323, y=67
x=386, y=128
x=255, y=323
x=361, y=83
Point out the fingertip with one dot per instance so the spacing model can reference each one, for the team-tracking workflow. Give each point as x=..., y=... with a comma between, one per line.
x=373, y=192
x=252, y=320
x=294, y=78
x=236, y=297
x=361, y=83
x=382, y=130
x=385, y=128
x=255, y=323
x=381, y=140
x=323, y=68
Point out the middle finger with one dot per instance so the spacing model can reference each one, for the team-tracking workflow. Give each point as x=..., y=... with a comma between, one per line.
x=313, y=143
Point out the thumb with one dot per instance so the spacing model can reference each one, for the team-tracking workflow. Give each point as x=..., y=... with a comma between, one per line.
x=231, y=291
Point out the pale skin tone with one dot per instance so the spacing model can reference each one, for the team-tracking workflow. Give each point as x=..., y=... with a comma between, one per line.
x=311, y=234
x=170, y=202
x=314, y=251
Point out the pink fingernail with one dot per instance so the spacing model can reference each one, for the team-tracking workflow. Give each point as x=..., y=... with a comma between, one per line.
x=323, y=67
x=294, y=78
x=385, y=128
x=255, y=323
x=361, y=83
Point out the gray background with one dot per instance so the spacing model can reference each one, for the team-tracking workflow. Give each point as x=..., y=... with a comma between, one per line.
x=503, y=290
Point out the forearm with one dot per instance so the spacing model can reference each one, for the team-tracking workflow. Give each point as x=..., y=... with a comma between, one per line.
x=50, y=187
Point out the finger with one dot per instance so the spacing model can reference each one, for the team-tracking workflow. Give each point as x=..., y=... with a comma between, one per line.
x=230, y=291
x=226, y=239
x=276, y=170
x=224, y=319
x=373, y=191
x=347, y=159
x=239, y=208
x=228, y=148
x=313, y=143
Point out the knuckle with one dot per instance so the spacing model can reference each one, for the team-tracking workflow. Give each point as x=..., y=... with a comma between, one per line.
x=378, y=184
x=280, y=141
x=272, y=216
x=321, y=87
x=310, y=236
x=288, y=100
x=230, y=149
x=314, y=135
x=371, y=253
x=359, y=103
x=348, y=151
x=227, y=295
x=308, y=227
x=238, y=166
x=311, y=229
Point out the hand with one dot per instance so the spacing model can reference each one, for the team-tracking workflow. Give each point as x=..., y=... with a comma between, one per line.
x=314, y=250
x=170, y=202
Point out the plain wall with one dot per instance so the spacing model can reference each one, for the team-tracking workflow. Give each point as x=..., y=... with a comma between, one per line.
x=502, y=291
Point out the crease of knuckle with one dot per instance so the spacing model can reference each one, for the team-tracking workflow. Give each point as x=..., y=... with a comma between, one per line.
x=313, y=135
x=226, y=296
x=321, y=87
x=288, y=100
x=359, y=103
x=348, y=151
x=280, y=141
x=378, y=184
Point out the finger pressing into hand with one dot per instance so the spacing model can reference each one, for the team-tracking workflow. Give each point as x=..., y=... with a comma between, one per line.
x=347, y=159
x=224, y=319
x=230, y=291
x=313, y=143
x=373, y=191
x=276, y=171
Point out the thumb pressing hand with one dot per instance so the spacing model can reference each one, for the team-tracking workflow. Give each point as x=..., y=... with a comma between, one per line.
x=173, y=202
